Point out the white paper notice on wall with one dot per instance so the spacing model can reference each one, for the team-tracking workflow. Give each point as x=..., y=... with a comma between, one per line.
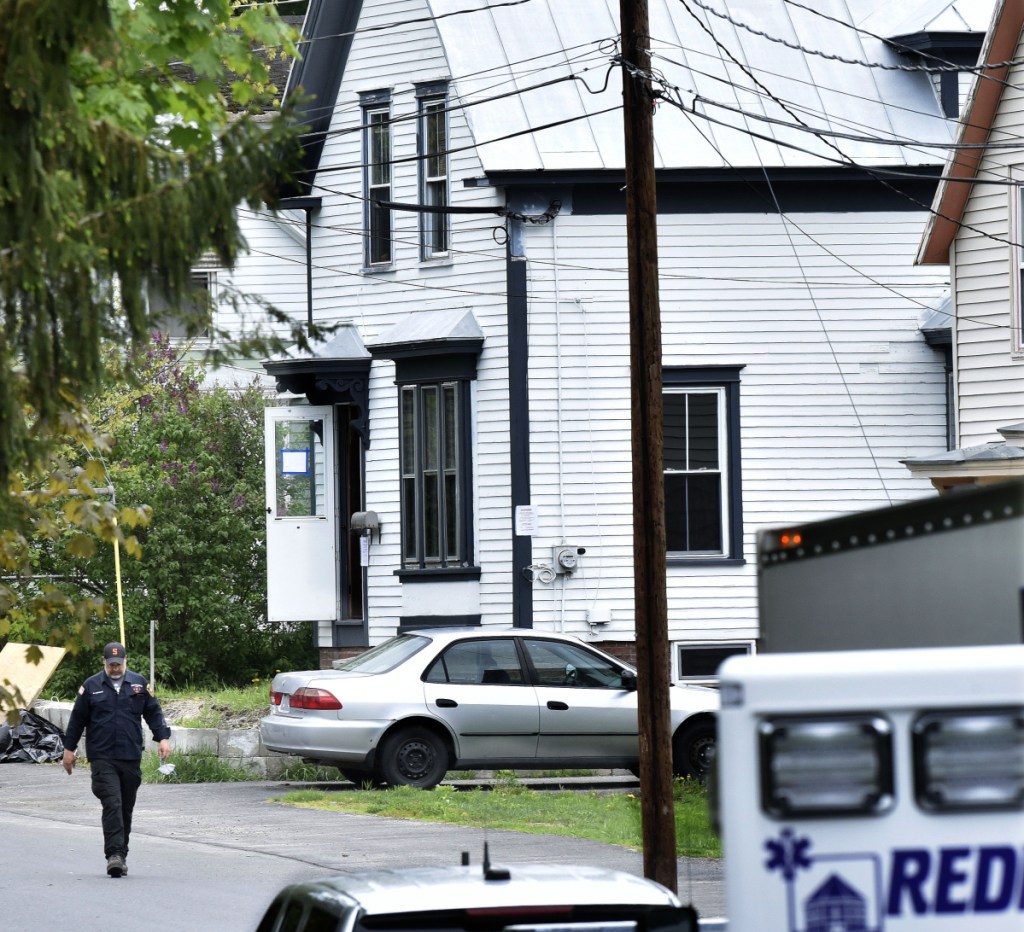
x=527, y=520
x=364, y=549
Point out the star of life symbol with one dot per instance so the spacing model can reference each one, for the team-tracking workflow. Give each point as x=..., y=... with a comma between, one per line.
x=826, y=892
x=788, y=854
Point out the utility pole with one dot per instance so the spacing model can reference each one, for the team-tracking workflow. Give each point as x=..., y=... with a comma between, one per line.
x=656, y=802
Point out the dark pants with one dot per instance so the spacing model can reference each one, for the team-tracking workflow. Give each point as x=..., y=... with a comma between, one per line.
x=115, y=783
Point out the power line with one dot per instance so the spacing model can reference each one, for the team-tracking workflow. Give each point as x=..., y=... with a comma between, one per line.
x=823, y=282
x=475, y=145
x=804, y=279
x=942, y=68
x=586, y=53
x=844, y=159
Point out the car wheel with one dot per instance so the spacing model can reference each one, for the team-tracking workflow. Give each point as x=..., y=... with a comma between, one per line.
x=693, y=749
x=413, y=757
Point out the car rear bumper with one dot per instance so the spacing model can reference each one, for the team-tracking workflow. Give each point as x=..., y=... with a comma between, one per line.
x=349, y=743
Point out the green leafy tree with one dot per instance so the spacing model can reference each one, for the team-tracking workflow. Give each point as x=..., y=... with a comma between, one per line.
x=130, y=130
x=194, y=457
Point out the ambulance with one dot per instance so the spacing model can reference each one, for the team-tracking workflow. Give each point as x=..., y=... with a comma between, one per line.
x=870, y=764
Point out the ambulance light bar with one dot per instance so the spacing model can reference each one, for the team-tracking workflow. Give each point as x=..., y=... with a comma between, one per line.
x=970, y=759
x=818, y=766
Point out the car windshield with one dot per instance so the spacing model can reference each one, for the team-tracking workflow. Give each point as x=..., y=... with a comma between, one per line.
x=386, y=656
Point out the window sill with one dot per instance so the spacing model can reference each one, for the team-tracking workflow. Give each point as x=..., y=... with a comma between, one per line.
x=704, y=561
x=439, y=572
x=376, y=269
x=435, y=261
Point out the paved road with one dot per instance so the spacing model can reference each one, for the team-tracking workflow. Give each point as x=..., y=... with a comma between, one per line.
x=211, y=856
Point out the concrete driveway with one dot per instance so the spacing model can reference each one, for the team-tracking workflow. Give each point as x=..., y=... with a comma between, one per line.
x=306, y=843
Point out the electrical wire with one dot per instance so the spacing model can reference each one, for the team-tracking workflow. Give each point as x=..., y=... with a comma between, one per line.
x=505, y=71
x=830, y=282
x=665, y=275
x=808, y=129
x=878, y=173
x=797, y=257
x=941, y=68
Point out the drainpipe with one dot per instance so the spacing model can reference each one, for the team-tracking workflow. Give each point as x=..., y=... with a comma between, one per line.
x=519, y=421
x=307, y=205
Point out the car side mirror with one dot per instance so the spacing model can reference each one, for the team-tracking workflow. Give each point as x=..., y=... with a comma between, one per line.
x=628, y=680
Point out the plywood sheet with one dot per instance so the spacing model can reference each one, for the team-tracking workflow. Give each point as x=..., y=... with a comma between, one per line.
x=30, y=678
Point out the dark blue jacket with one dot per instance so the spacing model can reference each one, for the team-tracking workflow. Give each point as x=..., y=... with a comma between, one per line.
x=112, y=720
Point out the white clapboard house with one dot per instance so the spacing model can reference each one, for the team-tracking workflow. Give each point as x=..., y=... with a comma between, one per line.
x=977, y=226
x=458, y=452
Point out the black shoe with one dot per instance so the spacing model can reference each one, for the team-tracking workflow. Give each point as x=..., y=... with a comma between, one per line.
x=116, y=866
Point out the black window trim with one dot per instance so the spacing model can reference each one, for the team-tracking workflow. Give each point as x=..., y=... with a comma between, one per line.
x=434, y=362
x=728, y=378
x=371, y=102
x=464, y=480
x=427, y=93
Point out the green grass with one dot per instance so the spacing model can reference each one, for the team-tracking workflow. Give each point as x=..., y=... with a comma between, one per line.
x=208, y=718
x=300, y=772
x=254, y=697
x=196, y=767
x=612, y=818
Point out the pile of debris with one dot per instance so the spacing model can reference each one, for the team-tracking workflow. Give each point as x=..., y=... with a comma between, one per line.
x=33, y=740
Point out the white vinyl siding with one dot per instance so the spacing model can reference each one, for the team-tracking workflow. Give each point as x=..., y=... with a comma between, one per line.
x=989, y=361
x=838, y=385
x=820, y=309
x=475, y=275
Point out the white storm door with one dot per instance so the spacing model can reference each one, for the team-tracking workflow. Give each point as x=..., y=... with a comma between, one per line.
x=302, y=566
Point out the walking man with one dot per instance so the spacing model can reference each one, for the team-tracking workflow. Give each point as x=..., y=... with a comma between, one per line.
x=110, y=708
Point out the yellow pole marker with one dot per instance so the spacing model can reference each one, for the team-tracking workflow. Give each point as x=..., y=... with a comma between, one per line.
x=117, y=574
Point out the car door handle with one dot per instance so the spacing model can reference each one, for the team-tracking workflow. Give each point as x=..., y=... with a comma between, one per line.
x=558, y=706
x=446, y=704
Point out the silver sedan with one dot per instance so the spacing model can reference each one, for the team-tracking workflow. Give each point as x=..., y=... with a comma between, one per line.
x=425, y=702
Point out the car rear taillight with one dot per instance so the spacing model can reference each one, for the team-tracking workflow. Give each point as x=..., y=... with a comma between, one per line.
x=970, y=759
x=311, y=698
x=275, y=697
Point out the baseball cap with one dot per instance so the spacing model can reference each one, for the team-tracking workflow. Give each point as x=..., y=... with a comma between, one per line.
x=114, y=653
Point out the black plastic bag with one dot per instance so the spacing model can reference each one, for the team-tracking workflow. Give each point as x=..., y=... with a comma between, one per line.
x=32, y=740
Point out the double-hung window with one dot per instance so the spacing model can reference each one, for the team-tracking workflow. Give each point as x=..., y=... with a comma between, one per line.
x=703, y=518
x=435, y=474
x=195, y=314
x=376, y=109
x=1017, y=259
x=433, y=161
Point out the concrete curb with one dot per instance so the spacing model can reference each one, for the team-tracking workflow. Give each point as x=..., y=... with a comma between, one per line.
x=238, y=747
x=243, y=748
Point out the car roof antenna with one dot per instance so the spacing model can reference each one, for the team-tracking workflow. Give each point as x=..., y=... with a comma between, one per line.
x=491, y=872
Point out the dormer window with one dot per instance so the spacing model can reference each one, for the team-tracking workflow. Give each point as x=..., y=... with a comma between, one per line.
x=938, y=50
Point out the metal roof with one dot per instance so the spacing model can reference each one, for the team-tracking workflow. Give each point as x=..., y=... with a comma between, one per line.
x=739, y=97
